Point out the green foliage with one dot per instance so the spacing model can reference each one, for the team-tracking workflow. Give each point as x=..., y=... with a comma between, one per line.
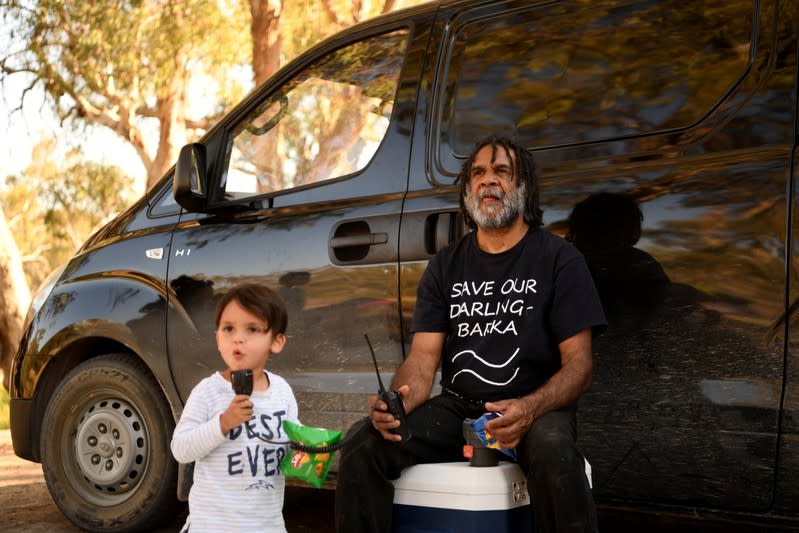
x=102, y=54
x=57, y=203
x=131, y=66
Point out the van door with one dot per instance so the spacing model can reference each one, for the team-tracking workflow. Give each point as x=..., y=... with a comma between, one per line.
x=663, y=134
x=310, y=178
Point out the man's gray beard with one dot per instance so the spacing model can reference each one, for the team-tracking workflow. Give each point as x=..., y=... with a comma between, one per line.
x=512, y=207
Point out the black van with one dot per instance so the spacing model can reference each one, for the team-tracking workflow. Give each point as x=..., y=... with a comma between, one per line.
x=665, y=135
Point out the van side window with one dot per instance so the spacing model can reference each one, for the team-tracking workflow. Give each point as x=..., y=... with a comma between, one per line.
x=601, y=71
x=324, y=123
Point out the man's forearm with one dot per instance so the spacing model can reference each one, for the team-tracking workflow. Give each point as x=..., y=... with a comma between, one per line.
x=562, y=389
x=419, y=368
x=571, y=381
x=419, y=380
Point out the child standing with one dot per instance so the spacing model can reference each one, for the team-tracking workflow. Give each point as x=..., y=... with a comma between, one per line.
x=238, y=485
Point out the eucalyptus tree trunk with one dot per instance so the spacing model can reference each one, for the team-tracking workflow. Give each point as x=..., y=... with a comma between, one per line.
x=14, y=298
x=265, y=29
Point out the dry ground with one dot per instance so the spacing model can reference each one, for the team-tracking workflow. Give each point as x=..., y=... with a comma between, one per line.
x=24, y=499
x=27, y=506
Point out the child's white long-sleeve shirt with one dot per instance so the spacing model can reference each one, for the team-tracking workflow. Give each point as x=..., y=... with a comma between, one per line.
x=238, y=485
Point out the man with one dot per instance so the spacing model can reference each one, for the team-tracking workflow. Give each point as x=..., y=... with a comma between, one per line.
x=508, y=311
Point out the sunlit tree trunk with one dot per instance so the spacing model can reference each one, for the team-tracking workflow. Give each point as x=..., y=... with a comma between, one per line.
x=172, y=134
x=265, y=28
x=14, y=298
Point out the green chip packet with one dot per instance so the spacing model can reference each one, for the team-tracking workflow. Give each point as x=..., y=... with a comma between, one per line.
x=309, y=467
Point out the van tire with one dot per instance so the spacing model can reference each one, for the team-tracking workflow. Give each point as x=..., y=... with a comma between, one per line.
x=105, y=447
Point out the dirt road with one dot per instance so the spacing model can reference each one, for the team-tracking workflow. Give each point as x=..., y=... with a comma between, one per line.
x=24, y=499
x=27, y=506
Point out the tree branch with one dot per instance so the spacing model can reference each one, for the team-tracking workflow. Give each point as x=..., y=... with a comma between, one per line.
x=388, y=6
x=334, y=18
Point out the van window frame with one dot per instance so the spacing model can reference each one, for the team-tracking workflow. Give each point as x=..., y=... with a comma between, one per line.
x=443, y=172
x=336, y=188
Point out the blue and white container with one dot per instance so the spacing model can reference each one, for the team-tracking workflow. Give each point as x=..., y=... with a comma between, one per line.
x=458, y=498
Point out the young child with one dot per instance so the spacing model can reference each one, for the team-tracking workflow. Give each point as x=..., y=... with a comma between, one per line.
x=238, y=485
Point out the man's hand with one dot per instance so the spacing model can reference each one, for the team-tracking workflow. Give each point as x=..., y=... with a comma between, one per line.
x=517, y=417
x=382, y=420
x=562, y=389
x=239, y=411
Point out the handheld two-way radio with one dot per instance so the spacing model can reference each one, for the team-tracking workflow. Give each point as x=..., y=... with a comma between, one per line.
x=393, y=400
x=242, y=381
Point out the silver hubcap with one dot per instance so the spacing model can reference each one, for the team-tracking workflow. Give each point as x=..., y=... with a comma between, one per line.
x=111, y=446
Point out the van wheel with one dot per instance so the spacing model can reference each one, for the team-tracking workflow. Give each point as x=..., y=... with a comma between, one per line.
x=105, y=447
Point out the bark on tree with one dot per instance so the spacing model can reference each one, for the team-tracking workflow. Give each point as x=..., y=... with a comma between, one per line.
x=356, y=12
x=14, y=298
x=172, y=134
x=265, y=29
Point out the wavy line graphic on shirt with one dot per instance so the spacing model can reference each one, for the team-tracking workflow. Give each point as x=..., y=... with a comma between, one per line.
x=486, y=363
x=261, y=485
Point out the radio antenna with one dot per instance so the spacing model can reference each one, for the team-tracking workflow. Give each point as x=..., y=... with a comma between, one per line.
x=374, y=360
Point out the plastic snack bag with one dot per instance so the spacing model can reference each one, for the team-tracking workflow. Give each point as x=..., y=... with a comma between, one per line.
x=308, y=465
x=485, y=436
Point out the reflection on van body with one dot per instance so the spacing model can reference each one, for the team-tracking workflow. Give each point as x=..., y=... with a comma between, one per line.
x=668, y=112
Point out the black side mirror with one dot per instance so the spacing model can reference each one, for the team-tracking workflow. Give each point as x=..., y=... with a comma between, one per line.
x=190, y=184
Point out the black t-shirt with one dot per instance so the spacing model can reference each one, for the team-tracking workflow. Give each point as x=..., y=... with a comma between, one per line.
x=505, y=314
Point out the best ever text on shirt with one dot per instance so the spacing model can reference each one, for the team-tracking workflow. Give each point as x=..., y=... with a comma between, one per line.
x=250, y=459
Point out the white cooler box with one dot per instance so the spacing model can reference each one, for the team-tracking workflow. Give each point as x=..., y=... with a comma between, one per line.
x=458, y=498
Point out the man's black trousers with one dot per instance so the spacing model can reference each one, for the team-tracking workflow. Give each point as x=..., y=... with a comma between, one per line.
x=548, y=455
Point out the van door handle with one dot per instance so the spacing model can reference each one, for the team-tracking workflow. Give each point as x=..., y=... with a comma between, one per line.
x=351, y=241
x=425, y=233
x=367, y=239
x=437, y=232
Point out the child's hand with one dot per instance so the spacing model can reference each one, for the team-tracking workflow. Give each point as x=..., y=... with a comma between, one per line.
x=238, y=412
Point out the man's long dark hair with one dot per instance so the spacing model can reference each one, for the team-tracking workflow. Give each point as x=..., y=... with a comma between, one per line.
x=524, y=169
